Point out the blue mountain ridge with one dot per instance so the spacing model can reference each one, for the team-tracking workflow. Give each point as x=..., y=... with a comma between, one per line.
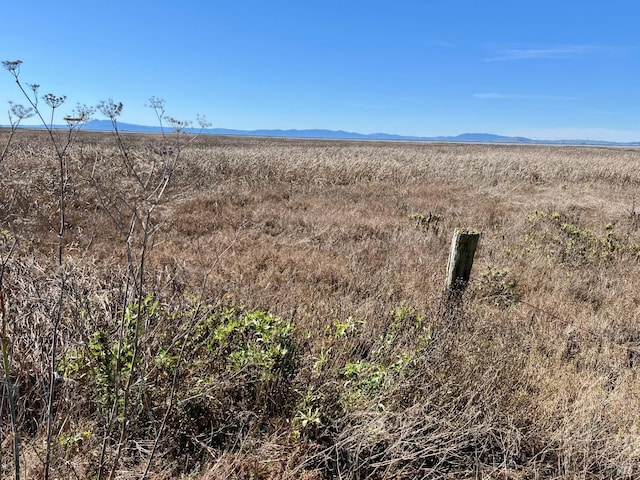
x=105, y=125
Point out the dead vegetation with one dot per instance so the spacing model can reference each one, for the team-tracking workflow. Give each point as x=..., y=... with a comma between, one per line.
x=292, y=325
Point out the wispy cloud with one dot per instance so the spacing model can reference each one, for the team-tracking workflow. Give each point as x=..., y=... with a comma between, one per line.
x=556, y=52
x=522, y=96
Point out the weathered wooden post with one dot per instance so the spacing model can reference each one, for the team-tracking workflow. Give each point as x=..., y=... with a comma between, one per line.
x=463, y=248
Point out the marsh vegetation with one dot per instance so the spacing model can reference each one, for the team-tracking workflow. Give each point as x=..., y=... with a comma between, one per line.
x=288, y=319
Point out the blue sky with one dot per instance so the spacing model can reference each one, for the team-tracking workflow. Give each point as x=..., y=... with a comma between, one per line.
x=544, y=69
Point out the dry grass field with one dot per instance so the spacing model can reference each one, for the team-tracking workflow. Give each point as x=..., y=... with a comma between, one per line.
x=289, y=321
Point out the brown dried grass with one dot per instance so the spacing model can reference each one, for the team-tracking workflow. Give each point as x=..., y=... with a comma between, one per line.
x=536, y=377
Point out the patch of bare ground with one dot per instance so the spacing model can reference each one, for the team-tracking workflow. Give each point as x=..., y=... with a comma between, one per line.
x=299, y=329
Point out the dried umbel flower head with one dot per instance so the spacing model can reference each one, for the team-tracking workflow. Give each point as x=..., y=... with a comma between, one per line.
x=177, y=125
x=157, y=103
x=54, y=101
x=110, y=109
x=13, y=66
x=81, y=114
x=20, y=111
x=202, y=121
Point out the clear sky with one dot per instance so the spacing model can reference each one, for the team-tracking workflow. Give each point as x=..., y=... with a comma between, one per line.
x=545, y=69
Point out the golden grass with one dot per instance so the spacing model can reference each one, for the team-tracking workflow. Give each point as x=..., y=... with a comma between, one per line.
x=536, y=377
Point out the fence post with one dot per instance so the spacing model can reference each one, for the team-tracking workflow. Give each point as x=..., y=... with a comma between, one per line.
x=463, y=248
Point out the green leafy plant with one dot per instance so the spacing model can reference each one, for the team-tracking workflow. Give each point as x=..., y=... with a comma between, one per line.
x=496, y=287
x=364, y=379
x=556, y=235
x=401, y=317
x=347, y=326
x=108, y=360
x=255, y=340
x=72, y=442
x=308, y=419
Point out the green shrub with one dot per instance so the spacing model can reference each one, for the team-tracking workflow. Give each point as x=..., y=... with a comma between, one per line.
x=556, y=235
x=255, y=340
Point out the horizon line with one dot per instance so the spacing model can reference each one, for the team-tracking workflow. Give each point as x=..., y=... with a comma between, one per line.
x=346, y=135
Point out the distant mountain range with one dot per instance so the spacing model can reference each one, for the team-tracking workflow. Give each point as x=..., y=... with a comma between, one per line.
x=105, y=125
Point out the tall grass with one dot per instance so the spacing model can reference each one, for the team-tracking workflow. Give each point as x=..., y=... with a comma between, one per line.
x=292, y=323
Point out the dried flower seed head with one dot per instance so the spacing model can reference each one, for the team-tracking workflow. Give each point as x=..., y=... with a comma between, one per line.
x=110, y=109
x=80, y=115
x=177, y=125
x=83, y=112
x=20, y=111
x=202, y=121
x=157, y=103
x=54, y=101
x=72, y=121
x=12, y=66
